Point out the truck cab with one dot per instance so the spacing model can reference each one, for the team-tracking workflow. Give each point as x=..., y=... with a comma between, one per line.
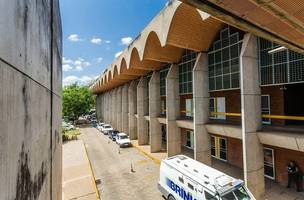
x=182, y=178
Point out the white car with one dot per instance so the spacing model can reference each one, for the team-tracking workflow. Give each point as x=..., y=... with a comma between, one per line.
x=123, y=140
x=100, y=126
x=106, y=128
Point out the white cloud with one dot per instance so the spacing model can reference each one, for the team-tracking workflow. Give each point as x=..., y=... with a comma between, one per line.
x=82, y=80
x=66, y=67
x=96, y=40
x=107, y=41
x=99, y=60
x=79, y=64
x=126, y=40
x=118, y=54
x=74, y=38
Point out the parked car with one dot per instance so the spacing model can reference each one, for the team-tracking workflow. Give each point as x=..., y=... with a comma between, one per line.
x=99, y=126
x=94, y=123
x=113, y=135
x=123, y=140
x=106, y=128
x=67, y=126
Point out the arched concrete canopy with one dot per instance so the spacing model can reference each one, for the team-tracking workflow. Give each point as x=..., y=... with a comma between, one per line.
x=155, y=51
x=176, y=28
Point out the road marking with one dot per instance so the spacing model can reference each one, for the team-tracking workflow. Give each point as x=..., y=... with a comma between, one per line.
x=94, y=182
x=76, y=179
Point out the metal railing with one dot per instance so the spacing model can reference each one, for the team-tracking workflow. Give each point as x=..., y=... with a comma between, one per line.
x=284, y=117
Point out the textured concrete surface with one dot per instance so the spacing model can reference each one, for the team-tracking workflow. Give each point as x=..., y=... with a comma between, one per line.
x=113, y=169
x=253, y=157
x=30, y=100
x=77, y=176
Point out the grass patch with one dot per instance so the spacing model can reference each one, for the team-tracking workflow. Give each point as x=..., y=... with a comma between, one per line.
x=70, y=135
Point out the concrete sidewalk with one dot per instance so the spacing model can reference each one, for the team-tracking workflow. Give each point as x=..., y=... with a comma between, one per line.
x=78, y=179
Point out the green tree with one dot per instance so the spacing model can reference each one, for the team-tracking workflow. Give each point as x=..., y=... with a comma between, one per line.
x=77, y=100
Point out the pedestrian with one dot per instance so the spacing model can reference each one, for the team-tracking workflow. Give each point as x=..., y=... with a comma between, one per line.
x=294, y=175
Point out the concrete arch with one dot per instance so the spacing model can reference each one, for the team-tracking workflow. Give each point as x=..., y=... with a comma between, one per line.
x=178, y=27
x=192, y=29
x=153, y=50
x=115, y=71
x=109, y=76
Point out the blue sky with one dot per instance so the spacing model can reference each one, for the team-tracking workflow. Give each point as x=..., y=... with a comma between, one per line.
x=94, y=31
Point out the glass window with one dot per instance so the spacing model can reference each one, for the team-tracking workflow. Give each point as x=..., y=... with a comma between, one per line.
x=209, y=196
x=189, y=107
x=190, y=186
x=279, y=67
x=162, y=76
x=185, y=71
x=190, y=139
x=265, y=103
x=269, y=168
x=223, y=61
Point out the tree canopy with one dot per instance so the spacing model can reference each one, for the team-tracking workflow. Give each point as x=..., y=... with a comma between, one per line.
x=77, y=100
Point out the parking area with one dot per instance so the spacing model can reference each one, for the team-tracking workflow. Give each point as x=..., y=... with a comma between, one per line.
x=113, y=166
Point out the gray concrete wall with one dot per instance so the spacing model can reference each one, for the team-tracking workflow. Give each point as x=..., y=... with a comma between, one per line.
x=30, y=99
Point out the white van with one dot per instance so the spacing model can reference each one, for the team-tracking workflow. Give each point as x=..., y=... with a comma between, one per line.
x=182, y=178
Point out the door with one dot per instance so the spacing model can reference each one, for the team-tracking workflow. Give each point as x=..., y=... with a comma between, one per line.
x=269, y=167
x=219, y=148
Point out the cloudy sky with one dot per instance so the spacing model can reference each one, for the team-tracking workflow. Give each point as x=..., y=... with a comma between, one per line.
x=95, y=31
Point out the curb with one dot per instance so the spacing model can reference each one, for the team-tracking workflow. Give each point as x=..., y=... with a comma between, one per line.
x=94, y=183
x=156, y=160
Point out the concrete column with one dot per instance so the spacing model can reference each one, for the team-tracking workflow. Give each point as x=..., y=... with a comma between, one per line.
x=103, y=107
x=173, y=132
x=253, y=157
x=125, y=109
x=132, y=97
x=114, y=110
x=142, y=107
x=202, y=143
x=154, y=112
x=106, y=107
x=119, y=109
x=110, y=106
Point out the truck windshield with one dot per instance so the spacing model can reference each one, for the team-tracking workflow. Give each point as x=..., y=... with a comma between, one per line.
x=238, y=194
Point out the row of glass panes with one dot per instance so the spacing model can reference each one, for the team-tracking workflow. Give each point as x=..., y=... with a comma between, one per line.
x=227, y=81
x=224, y=68
x=185, y=68
x=225, y=54
x=282, y=67
x=163, y=75
x=226, y=42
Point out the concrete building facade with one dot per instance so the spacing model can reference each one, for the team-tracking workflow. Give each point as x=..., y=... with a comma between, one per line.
x=213, y=91
x=30, y=100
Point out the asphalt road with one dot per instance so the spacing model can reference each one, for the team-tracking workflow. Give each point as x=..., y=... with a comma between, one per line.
x=114, y=169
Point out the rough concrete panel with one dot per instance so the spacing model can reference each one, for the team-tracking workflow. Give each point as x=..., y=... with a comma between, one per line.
x=25, y=137
x=26, y=36
x=132, y=95
x=125, y=109
x=173, y=132
x=253, y=156
x=56, y=149
x=142, y=124
x=57, y=50
x=30, y=112
x=154, y=112
x=202, y=144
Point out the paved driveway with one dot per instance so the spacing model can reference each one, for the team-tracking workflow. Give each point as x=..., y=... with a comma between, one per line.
x=114, y=169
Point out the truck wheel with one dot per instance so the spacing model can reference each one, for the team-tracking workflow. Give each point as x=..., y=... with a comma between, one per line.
x=170, y=197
